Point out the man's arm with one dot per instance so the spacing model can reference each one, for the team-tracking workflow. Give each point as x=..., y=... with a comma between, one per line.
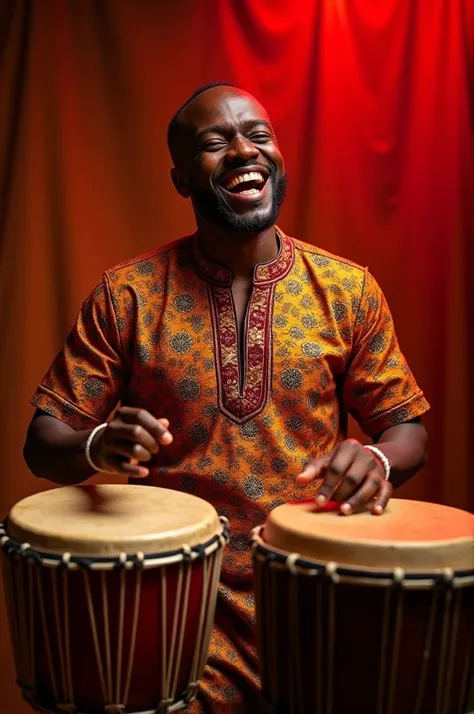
x=406, y=447
x=55, y=451
x=378, y=390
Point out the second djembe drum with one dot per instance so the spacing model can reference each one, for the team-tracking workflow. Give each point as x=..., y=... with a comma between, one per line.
x=369, y=614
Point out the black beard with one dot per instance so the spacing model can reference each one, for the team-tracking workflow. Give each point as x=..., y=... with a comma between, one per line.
x=212, y=206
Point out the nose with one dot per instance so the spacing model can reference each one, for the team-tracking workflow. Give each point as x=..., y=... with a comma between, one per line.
x=241, y=148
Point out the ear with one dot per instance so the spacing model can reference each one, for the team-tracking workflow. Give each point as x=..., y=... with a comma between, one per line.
x=180, y=182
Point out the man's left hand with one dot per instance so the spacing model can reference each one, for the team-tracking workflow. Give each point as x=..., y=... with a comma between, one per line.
x=351, y=475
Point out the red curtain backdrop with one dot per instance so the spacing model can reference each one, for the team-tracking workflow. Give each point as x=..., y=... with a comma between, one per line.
x=373, y=103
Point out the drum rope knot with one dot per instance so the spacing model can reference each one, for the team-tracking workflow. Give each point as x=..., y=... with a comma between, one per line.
x=201, y=551
x=291, y=562
x=114, y=708
x=84, y=563
x=448, y=575
x=191, y=691
x=331, y=572
x=26, y=552
x=65, y=561
x=398, y=577
x=187, y=553
x=164, y=706
x=139, y=560
x=121, y=561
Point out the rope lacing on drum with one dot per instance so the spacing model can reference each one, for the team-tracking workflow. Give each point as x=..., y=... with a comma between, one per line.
x=330, y=571
x=191, y=691
x=291, y=562
x=224, y=536
x=3, y=535
x=65, y=561
x=114, y=709
x=121, y=561
x=187, y=553
x=398, y=577
x=448, y=576
x=164, y=706
x=84, y=563
x=201, y=551
x=139, y=560
x=62, y=680
x=28, y=553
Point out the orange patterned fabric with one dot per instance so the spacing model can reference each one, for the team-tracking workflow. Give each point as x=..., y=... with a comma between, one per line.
x=159, y=332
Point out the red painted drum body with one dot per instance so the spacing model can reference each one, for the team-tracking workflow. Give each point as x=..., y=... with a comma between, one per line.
x=111, y=593
x=370, y=614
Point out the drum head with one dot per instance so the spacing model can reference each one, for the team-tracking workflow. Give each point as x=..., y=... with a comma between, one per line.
x=111, y=519
x=412, y=535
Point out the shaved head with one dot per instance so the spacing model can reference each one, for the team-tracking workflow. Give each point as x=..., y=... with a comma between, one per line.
x=173, y=126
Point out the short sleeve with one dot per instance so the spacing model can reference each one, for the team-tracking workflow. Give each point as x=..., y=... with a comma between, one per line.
x=379, y=389
x=87, y=377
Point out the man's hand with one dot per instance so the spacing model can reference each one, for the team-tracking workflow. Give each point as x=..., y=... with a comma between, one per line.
x=351, y=475
x=132, y=436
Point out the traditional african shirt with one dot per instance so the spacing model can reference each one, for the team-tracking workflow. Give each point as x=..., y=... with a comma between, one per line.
x=160, y=332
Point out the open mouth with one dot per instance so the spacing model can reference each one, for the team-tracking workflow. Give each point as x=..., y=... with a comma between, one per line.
x=249, y=184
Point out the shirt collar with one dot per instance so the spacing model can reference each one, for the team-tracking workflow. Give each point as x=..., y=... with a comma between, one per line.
x=263, y=274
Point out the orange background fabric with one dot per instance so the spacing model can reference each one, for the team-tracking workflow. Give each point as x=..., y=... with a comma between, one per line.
x=373, y=106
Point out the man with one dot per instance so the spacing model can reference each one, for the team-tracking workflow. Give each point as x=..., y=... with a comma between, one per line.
x=236, y=354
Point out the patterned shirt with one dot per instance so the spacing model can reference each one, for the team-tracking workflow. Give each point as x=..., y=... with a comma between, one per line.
x=160, y=332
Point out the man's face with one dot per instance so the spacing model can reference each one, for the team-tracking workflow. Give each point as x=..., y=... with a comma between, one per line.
x=230, y=163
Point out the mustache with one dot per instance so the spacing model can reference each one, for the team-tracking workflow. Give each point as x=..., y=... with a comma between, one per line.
x=270, y=167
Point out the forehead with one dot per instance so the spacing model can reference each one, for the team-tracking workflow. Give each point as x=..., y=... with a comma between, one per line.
x=222, y=106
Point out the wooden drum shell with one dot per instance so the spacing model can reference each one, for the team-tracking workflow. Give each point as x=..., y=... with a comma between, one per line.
x=111, y=634
x=338, y=639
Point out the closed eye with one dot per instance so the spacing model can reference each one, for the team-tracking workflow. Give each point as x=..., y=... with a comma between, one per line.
x=213, y=145
x=261, y=136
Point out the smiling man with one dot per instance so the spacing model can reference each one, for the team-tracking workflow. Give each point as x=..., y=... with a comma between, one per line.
x=236, y=354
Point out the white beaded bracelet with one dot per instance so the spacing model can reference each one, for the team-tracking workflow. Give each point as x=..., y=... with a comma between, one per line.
x=88, y=448
x=381, y=456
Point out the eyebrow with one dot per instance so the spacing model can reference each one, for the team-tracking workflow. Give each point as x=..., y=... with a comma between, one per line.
x=222, y=128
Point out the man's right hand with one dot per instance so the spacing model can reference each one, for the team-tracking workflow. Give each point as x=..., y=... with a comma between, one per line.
x=133, y=436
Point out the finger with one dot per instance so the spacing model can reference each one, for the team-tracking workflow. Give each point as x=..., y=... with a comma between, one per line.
x=364, y=463
x=313, y=470
x=143, y=418
x=125, y=468
x=341, y=460
x=127, y=449
x=382, y=499
x=365, y=494
x=120, y=431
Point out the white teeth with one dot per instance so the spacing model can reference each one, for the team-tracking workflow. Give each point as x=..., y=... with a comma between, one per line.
x=249, y=191
x=252, y=176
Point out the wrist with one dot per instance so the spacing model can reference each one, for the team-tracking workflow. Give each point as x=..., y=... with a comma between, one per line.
x=381, y=458
x=92, y=448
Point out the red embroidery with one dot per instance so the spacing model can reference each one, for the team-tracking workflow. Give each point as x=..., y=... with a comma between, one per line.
x=264, y=273
x=242, y=398
x=278, y=268
x=207, y=269
x=241, y=402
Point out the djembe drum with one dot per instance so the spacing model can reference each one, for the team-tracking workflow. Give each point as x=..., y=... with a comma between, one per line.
x=111, y=593
x=369, y=614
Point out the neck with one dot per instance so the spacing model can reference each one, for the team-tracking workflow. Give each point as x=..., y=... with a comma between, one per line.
x=239, y=252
